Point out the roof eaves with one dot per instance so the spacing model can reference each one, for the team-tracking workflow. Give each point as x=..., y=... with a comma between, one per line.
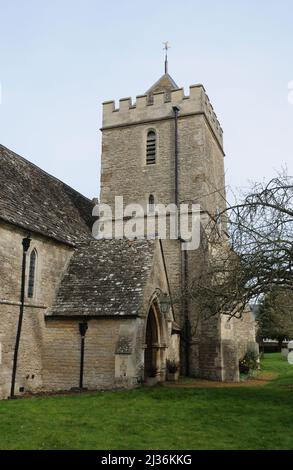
x=39, y=232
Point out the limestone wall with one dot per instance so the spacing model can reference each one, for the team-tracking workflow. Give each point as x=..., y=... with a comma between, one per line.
x=62, y=354
x=197, y=102
x=124, y=171
x=49, y=353
x=211, y=172
x=51, y=261
x=245, y=332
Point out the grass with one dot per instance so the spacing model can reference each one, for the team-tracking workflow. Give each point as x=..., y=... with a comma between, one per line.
x=158, y=418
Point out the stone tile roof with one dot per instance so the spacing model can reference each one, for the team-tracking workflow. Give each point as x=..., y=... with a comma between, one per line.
x=165, y=83
x=105, y=278
x=35, y=200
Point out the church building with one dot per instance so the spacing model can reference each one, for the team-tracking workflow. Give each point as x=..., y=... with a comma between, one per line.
x=105, y=314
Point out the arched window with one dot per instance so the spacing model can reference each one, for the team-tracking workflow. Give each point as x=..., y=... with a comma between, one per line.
x=151, y=148
x=151, y=203
x=32, y=274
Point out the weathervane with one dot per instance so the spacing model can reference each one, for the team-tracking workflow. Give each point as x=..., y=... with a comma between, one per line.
x=166, y=47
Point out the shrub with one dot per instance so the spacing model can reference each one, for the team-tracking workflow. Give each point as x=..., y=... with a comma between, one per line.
x=249, y=362
x=172, y=366
x=244, y=366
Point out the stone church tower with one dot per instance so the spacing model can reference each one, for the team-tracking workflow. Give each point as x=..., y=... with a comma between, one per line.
x=168, y=148
x=127, y=168
x=108, y=313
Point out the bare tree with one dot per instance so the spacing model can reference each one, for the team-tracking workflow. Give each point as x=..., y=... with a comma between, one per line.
x=255, y=252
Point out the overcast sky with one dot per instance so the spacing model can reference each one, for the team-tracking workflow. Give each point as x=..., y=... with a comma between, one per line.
x=60, y=59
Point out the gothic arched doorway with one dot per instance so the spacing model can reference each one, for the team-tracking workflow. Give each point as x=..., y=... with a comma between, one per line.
x=151, y=345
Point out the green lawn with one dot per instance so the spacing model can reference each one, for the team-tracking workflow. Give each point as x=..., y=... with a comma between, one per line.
x=259, y=417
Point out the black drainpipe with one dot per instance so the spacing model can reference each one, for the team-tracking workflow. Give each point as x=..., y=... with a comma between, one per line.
x=184, y=270
x=82, y=330
x=184, y=255
x=25, y=246
x=176, y=112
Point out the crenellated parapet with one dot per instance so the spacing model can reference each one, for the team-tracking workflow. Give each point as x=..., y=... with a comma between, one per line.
x=160, y=106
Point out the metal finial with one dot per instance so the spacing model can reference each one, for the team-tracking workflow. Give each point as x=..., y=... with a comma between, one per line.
x=166, y=47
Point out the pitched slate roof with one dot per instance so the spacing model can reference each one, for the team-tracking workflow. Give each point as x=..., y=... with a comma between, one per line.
x=105, y=278
x=165, y=83
x=36, y=201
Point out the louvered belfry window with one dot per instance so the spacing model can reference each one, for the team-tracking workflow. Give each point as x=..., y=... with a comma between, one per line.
x=151, y=148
